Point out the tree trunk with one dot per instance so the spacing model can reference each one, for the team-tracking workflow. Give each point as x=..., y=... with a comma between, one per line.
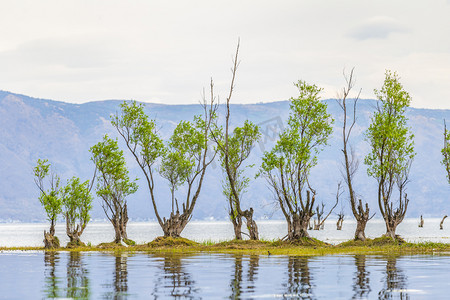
x=173, y=226
x=251, y=225
x=421, y=222
x=391, y=226
x=298, y=228
x=360, y=234
x=339, y=223
x=237, y=225
x=50, y=241
x=441, y=225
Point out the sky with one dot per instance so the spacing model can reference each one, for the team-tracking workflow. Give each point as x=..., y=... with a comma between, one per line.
x=167, y=51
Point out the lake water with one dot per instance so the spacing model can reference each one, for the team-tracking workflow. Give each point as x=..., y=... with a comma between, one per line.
x=95, y=275
x=19, y=234
x=98, y=275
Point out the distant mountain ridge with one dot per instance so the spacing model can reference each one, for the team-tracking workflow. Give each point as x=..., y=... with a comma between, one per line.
x=32, y=128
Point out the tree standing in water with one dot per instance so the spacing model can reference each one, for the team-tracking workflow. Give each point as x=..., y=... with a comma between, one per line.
x=351, y=162
x=287, y=166
x=77, y=203
x=183, y=161
x=233, y=150
x=392, y=150
x=49, y=198
x=113, y=185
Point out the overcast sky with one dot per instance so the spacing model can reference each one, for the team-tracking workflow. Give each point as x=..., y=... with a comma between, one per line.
x=167, y=51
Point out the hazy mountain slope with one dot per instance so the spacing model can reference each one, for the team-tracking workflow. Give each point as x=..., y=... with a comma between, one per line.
x=34, y=128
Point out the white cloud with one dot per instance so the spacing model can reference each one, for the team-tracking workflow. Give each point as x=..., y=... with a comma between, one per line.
x=380, y=27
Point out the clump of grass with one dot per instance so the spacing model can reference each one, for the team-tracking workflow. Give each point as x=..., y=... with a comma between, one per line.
x=380, y=241
x=242, y=244
x=301, y=242
x=170, y=242
x=75, y=244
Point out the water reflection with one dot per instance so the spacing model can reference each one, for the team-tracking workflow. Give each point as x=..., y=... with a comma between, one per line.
x=51, y=288
x=77, y=277
x=95, y=275
x=237, y=285
x=120, y=278
x=174, y=278
x=75, y=285
x=299, y=282
x=395, y=285
x=361, y=287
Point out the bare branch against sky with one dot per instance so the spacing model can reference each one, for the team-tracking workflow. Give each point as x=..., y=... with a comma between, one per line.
x=164, y=51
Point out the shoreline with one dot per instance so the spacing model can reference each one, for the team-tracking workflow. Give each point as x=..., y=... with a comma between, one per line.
x=305, y=247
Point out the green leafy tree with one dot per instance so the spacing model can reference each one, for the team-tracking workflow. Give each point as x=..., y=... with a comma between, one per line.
x=49, y=198
x=392, y=150
x=77, y=203
x=287, y=166
x=113, y=184
x=183, y=161
x=232, y=156
x=233, y=150
x=446, y=151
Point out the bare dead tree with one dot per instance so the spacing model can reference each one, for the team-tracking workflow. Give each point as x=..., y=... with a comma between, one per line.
x=441, y=225
x=340, y=220
x=319, y=212
x=421, y=222
x=351, y=163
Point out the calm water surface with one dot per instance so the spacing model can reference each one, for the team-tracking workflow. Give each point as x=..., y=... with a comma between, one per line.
x=20, y=235
x=94, y=275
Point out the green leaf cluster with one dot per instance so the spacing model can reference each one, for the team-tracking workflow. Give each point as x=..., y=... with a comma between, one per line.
x=308, y=130
x=139, y=132
x=113, y=182
x=49, y=198
x=446, y=152
x=390, y=139
x=77, y=202
x=240, y=144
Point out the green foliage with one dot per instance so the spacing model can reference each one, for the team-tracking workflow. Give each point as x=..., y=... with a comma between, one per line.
x=446, y=152
x=392, y=145
x=113, y=182
x=49, y=198
x=295, y=153
x=240, y=144
x=184, y=149
x=139, y=132
x=77, y=203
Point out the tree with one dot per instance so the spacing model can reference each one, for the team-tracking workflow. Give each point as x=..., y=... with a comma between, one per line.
x=446, y=151
x=184, y=160
x=392, y=150
x=49, y=198
x=287, y=166
x=113, y=184
x=233, y=150
x=77, y=203
x=351, y=162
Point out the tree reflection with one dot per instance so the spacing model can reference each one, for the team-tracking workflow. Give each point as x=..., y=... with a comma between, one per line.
x=299, y=279
x=174, y=280
x=77, y=277
x=396, y=281
x=51, y=289
x=120, y=276
x=76, y=285
x=361, y=285
x=236, y=283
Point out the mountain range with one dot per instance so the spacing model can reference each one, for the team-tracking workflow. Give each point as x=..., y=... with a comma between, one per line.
x=32, y=128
